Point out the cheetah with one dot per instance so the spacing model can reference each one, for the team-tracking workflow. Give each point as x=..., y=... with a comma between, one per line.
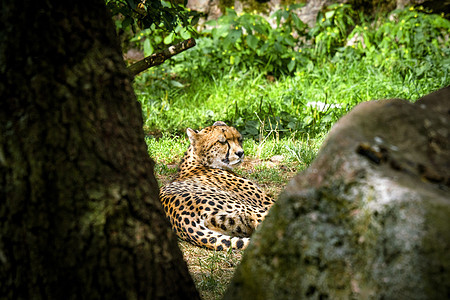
x=208, y=205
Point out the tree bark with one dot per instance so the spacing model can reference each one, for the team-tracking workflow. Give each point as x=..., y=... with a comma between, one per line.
x=79, y=210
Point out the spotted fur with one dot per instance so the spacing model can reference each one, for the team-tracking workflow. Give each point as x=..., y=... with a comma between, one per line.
x=207, y=204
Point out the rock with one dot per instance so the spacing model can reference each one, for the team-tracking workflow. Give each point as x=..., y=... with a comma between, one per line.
x=213, y=9
x=368, y=219
x=209, y=7
x=308, y=13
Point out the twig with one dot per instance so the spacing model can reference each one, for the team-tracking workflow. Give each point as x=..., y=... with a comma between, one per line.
x=158, y=58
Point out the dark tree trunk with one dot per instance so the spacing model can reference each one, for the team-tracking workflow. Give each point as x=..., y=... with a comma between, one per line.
x=79, y=210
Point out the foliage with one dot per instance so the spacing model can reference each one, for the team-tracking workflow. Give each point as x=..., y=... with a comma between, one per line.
x=231, y=76
x=248, y=41
x=159, y=22
x=252, y=42
x=156, y=38
x=332, y=28
x=407, y=34
x=147, y=13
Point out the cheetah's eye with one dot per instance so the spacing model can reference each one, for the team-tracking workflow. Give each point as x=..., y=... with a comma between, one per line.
x=222, y=140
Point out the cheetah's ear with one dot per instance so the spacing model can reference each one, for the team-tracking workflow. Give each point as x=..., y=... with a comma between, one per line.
x=192, y=135
x=219, y=123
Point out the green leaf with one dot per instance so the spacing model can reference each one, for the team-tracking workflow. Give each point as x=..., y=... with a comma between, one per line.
x=329, y=14
x=169, y=39
x=291, y=65
x=237, y=60
x=176, y=84
x=263, y=49
x=232, y=37
x=158, y=39
x=195, y=20
x=289, y=40
x=252, y=41
x=261, y=28
x=327, y=119
x=308, y=120
x=185, y=34
x=148, y=49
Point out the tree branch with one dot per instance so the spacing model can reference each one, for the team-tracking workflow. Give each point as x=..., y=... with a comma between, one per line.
x=158, y=58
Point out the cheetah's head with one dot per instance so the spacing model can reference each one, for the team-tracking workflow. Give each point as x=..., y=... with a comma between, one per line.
x=217, y=146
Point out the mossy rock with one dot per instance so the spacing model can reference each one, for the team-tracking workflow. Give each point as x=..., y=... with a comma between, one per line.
x=368, y=219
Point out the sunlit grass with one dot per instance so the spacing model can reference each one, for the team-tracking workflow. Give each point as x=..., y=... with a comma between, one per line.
x=246, y=99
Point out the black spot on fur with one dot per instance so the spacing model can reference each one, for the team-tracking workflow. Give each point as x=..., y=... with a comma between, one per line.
x=226, y=243
x=240, y=244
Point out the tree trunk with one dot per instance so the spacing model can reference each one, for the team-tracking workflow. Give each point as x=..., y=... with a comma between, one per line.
x=79, y=210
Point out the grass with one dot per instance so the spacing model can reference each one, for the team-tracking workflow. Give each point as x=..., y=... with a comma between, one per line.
x=211, y=270
x=247, y=100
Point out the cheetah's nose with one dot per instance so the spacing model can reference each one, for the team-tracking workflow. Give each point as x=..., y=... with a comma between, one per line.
x=240, y=154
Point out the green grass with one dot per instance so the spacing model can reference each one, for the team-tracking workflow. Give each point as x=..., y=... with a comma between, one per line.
x=211, y=270
x=168, y=149
x=249, y=100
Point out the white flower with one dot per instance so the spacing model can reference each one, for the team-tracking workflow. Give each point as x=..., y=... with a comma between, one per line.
x=322, y=106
